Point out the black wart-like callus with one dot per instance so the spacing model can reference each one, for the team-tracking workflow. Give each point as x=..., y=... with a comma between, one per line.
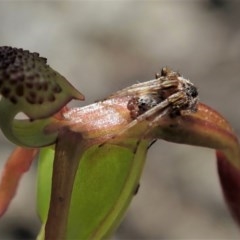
x=28, y=81
x=29, y=85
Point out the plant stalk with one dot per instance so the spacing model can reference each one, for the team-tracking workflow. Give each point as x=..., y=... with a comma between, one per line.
x=67, y=156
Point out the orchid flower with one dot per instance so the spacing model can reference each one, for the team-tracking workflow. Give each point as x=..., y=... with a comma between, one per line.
x=91, y=158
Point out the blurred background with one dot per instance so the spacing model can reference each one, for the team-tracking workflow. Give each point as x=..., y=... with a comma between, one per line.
x=103, y=46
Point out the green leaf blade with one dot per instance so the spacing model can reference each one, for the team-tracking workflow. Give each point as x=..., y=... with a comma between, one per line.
x=105, y=184
x=45, y=167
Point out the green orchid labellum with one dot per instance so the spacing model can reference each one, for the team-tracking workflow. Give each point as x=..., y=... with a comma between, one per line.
x=30, y=86
x=87, y=181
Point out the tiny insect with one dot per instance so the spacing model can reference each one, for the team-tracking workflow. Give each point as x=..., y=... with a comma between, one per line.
x=169, y=94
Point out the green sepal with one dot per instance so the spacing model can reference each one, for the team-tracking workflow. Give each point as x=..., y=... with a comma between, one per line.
x=105, y=184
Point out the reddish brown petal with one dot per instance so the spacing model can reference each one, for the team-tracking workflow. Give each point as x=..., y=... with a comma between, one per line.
x=17, y=164
x=230, y=182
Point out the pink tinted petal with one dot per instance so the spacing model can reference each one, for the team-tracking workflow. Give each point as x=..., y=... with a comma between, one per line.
x=18, y=163
x=230, y=181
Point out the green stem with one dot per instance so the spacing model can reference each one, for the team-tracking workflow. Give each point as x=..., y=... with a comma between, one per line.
x=67, y=155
